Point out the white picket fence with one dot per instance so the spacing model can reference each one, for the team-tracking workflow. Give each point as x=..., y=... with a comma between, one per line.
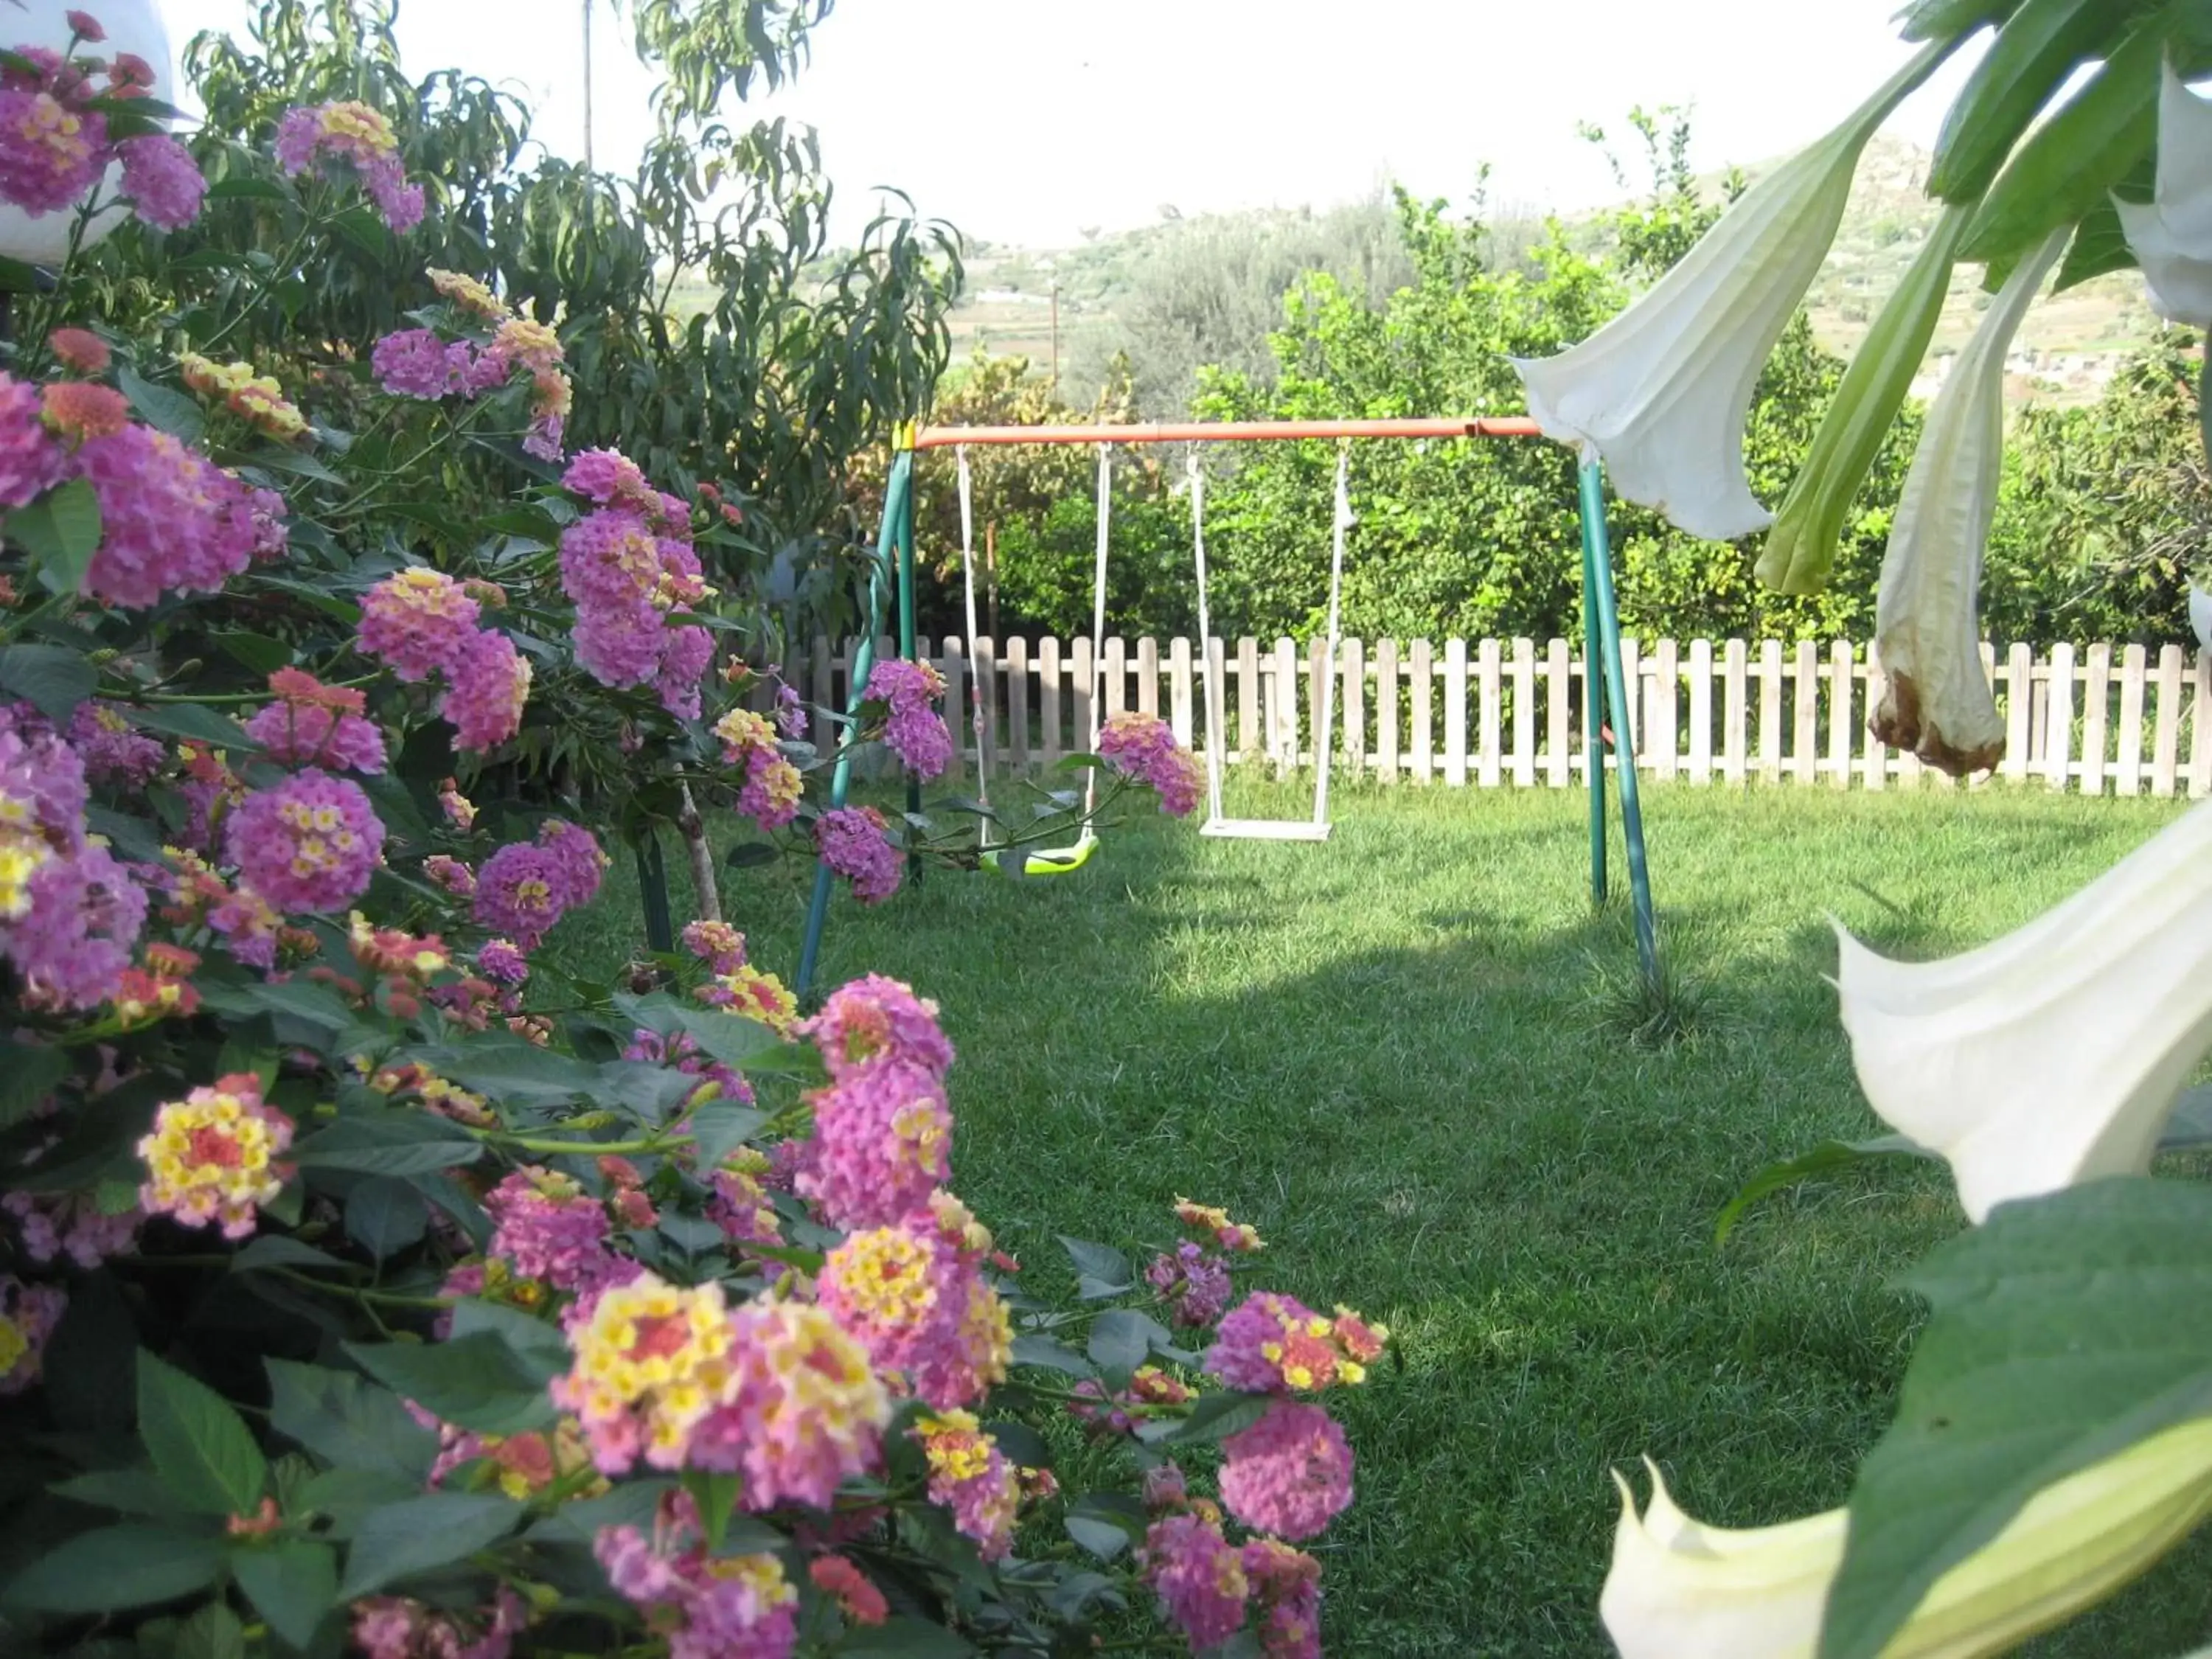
x=1496, y=712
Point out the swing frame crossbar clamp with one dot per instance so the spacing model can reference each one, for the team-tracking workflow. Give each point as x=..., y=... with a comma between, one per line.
x=1207, y=432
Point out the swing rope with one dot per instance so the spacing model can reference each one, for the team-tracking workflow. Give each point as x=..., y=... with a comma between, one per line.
x=1325, y=745
x=974, y=682
x=1054, y=860
x=1209, y=669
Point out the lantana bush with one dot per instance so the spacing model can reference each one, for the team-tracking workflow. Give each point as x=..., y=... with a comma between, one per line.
x=371, y=1282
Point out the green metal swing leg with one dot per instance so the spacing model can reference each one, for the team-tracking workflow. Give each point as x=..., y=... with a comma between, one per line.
x=1605, y=628
x=898, y=505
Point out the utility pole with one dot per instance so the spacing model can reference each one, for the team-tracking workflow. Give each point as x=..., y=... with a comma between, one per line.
x=1055, y=337
x=588, y=165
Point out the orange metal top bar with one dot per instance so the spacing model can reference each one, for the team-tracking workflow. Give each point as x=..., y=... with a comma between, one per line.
x=946, y=437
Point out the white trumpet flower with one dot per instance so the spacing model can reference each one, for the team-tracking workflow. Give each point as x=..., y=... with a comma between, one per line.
x=1935, y=698
x=2172, y=236
x=1662, y=392
x=2056, y=1054
x=1680, y=1590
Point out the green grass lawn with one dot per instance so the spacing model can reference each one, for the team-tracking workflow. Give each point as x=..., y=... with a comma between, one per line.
x=1387, y=1053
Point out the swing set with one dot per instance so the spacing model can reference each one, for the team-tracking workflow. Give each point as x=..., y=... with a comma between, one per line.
x=891, y=575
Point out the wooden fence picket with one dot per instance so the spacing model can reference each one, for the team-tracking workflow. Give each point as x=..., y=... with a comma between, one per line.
x=2099, y=717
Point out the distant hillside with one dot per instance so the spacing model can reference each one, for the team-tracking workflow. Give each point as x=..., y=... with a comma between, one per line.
x=2066, y=351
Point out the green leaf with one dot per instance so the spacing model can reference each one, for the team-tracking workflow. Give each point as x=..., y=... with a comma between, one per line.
x=478, y=1382
x=718, y=1126
x=196, y=721
x=1121, y=1338
x=293, y=1583
x=1101, y=1270
x=200, y=1446
x=2071, y=162
x=130, y=1491
x=61, y=531
x=29, y=1073
x=347, y=1421
x=53, y=680
x=1046, y=1354
x=1217, y=1416
x=631, y=1504
x=2065, y=1330
x=538, y=1342
x=746, y=1045
x=902, y=1637
x=16, y=277
x=385, y=1216
x=2100, y=247
x=751, y=855
x=397, y=1144
x=213, y=1632
x=422, y=1534
x=111, y=1567
x=255, y=651
x=1828, y=1156
x=247, y=189
x=281, y=1251
x=310, y=1005
x=515, y=1072
x=161, y=406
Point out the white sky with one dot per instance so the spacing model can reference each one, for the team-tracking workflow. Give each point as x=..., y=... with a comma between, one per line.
x=1023, y=120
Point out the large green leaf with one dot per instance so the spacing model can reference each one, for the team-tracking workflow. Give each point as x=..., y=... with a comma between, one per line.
x=347, y=1421
x=200, y=1446
x=130, y=1565
x=29, y=1073
x=292, y=1581
x=424, y=1533
x=478, y=1381
x=2064, y=1330
x=515, y=1072
x=395, y=1143
x=903, y=1637
x=53, y=680
x=161, y=406
x=61, y=531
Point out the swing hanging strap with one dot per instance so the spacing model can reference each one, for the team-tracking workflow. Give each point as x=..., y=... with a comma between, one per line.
x=1209, y=672
x=1098, y=622
x=1325, y=743
x=974, y=682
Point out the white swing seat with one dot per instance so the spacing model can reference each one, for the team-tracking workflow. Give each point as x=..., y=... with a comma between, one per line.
x=1264, y=829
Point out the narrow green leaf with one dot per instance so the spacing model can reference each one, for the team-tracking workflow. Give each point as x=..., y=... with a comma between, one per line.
x=111, y=1567
x=2071, y=163
x=2065, y=1330
x=424, y=1534
x=1828, y=1156
x=293, y=1583
x=201, y=1447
